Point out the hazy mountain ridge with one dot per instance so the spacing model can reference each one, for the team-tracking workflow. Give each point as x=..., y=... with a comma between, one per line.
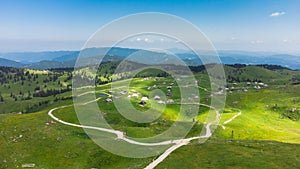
x=63, y=59
x=33, y=57
x=10, y=63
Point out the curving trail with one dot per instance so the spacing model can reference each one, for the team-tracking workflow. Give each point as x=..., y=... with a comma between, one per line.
x=232, y=118
x=120, y=135
x=176, y=146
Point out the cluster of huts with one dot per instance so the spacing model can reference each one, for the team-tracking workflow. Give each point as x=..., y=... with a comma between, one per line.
x=255, y=85
x=144, y=100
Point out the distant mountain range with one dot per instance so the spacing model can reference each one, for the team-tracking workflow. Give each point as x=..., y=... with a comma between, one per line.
x=63, y=59
x=10, y=63
x=33, y=57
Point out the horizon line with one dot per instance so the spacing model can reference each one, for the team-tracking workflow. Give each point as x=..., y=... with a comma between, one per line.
x=124, y=47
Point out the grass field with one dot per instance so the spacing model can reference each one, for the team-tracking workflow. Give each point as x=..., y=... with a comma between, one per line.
x=264, y=135
x=60, y=146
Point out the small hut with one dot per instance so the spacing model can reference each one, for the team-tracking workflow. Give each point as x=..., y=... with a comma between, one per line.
x=156, y=98
x=170, y=101
x=108, y=100
x=142, y=103
x=123, y=92
x=161, y=102
x=135, y=95
x=144, y=99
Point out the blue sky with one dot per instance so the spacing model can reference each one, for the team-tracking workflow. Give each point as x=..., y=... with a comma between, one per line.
x=253, y=25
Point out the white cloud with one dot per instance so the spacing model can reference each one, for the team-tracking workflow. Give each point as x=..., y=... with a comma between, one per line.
x=147, y=40
x=287, y=41
x=257, y=42
x=277, y=14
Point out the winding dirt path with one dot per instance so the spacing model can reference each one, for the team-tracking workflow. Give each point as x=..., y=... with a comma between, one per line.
x=120, y=135
x=176, y=146
x=232, y=118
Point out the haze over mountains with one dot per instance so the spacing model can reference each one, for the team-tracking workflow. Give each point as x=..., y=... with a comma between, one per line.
x=63, y=59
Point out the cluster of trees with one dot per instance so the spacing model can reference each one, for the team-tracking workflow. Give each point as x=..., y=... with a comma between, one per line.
x=9, y=73
x=15, y=97
x=272, y=67
x=232, y=79
x=63, y=98
x=197, y=69
x=69, y=76
x=295, y=79
x=240, y=75
x=285, y=112
x=16, y=75
x=36, y=107
x=1, y=98
x=152, y=73
x=39, y=105
x=238, y=66
x=51, y=92
x=20, y=80
x=50, y=78
x=292, y=115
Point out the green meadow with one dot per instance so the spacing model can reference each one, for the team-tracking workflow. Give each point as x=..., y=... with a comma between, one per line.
x=259, y=127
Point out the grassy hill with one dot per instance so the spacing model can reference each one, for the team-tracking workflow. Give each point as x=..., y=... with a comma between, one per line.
x=264, y=135
x=25, y=90
x=60, y=146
